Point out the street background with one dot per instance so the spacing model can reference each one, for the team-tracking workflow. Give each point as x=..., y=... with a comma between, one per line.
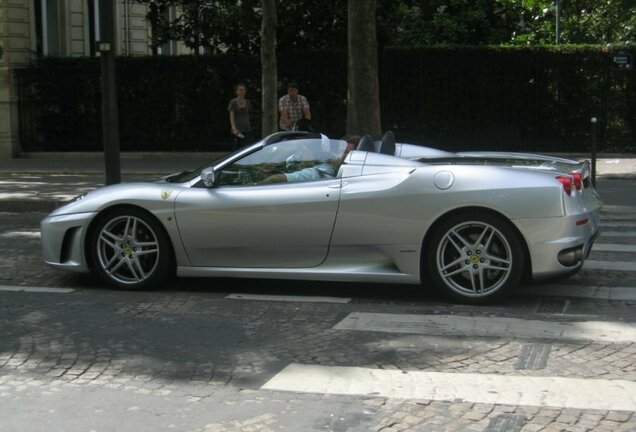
x=234, y=355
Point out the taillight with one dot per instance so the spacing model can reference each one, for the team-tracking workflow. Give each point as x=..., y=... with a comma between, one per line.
x=566, y=181
x=578, y=180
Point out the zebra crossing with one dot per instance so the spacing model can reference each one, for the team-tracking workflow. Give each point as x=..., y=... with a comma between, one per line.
x=561, y=355
x=539, y=337
x=617, y=225
x=477, y=388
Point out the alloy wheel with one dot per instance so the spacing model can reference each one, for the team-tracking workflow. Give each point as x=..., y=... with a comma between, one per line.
x=474, y=259
x=128, y=250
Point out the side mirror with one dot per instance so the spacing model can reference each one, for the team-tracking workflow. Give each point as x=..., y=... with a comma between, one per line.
x=208, y=177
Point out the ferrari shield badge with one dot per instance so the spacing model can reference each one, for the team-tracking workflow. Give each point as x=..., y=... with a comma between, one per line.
x=165, y=194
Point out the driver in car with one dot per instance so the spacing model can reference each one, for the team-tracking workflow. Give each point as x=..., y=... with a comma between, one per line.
x=322, y=169
x=326, y=165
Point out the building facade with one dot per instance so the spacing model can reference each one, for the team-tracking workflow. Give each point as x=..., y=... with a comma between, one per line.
x=30, y=29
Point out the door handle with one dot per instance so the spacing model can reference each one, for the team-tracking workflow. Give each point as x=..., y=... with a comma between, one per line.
x=335, y=186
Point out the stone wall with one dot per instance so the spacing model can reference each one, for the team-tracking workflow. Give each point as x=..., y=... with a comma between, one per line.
x=17, y=41
x=16, y=36
x=77, y=30
x=138, y=31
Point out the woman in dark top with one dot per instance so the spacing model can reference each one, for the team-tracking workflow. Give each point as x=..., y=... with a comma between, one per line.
x=239, y=109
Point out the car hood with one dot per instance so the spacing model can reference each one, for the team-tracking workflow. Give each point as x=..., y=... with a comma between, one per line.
x=149, y=195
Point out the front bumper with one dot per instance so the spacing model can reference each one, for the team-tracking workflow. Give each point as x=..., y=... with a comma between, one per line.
x=548, y=237
x=63, y=239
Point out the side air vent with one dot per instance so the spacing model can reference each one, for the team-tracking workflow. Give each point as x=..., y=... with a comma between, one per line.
x=65, y=253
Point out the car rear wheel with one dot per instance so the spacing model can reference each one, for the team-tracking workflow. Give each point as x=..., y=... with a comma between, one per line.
x=129, y=249
x=475, y=257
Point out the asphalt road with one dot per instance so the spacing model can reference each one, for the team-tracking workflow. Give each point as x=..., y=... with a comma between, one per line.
x=257, y=355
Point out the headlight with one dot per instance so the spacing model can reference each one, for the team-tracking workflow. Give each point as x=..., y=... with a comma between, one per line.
x=77, y=198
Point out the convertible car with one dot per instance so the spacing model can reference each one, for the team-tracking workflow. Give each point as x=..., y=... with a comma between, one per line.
x=298, y=205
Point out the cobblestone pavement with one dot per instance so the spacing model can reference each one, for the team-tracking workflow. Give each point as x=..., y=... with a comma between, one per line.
x=186, y=357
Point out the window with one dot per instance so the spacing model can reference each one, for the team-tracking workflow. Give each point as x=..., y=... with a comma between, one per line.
x=92, y=6
x=286, y=162
x=47, y=28
x=166, y=14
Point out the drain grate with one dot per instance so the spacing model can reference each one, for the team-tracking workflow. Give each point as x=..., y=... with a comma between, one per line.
x=552, y=305
x=506, y=423
x=533, y=356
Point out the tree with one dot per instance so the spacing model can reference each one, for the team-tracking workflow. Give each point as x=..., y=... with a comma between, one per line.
x=215, y=25
x=466, y=22
x=477, y=22
x=582, y=22
x=269, y=72
x=363, y=99
x=233, y=26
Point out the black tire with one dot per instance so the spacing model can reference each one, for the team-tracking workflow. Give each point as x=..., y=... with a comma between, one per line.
x=474, y=257
x=130, y=249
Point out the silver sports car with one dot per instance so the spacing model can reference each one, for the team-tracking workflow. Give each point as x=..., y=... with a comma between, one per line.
x=299, y=205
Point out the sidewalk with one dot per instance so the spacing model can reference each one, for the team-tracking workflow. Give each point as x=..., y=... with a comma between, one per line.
x=93, y=163
x=41, y=182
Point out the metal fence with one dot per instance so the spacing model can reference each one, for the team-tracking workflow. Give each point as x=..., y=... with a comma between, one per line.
x=453, y=98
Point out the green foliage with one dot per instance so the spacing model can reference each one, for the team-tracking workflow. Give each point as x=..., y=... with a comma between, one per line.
x=218, y=25
x=432, y=22
x=581, y=22
x=476, y=22
x=233, y=26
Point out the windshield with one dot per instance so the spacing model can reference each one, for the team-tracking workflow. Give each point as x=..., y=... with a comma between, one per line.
x=189, y=175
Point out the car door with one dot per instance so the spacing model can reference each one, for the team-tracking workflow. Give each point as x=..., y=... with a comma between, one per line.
x=242, y=224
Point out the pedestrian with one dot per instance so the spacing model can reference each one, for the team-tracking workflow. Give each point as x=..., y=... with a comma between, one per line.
x=239, y=109
x=292, y=107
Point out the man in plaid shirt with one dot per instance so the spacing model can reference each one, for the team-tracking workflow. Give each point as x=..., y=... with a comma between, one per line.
x=292, y=107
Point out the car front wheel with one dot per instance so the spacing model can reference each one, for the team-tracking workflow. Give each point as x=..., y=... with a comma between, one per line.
x=475, y=257
x=129, y=249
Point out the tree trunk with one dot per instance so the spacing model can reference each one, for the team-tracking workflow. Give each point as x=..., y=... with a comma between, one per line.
x=363, y=105
x=269, y=73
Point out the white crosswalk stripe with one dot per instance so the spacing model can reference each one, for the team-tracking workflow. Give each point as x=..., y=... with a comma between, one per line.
x=17, y=288
x=610, y=215
x=618, y=234
x=476, y=326
x=288, y=298
x=577, y=291
x=617, y=216
x=576, y=393
x=605, y=224
x=613, y=247
x=627, y=266
x=619, y=209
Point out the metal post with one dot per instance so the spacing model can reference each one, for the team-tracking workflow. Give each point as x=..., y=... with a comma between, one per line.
x=110, y=115
x=594, y=121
